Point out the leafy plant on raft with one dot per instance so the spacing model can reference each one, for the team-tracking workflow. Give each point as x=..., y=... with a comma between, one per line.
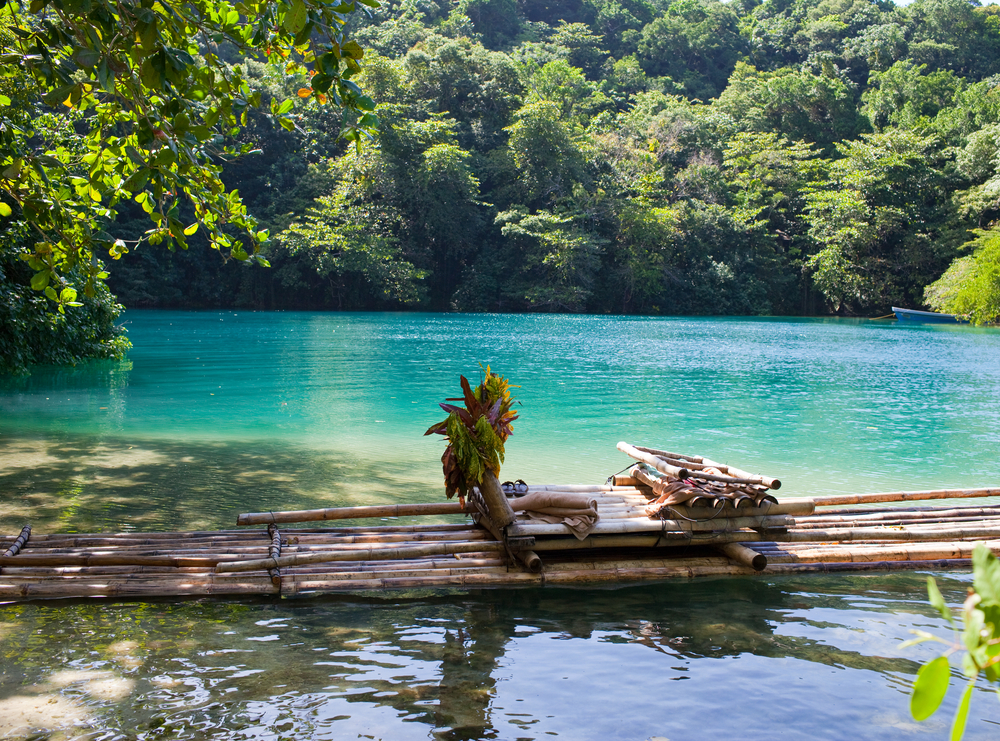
x=979, y=638
x=476, y=434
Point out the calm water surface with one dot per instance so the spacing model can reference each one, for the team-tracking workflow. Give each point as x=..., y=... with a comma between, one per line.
x=220, y=413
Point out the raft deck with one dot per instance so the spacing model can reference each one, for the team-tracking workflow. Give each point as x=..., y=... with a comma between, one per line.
x=851, y=533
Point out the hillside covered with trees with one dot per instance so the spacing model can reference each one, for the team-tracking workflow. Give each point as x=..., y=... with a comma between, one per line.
x=622, y=156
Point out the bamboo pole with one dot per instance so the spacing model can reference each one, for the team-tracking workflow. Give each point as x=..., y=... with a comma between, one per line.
x=624, y=481
x=659, y=464
x=496, y=501
x=530, y=559
x=690, y=537
x=389, y=567
x=19, y=542
x=217, y=585
x=635, y=525
x=805, y=524
x=151, y=535
x=86, y=571
x=698, y=463
x=582, y=576
x=800, y=507
x=583, y=488
x=746, y=556
x=28, y=559
x=367, y=554
x=866, y=553
x=471, y=534
x=342, y=576
x=133, y=589
x=601, y=541
x=351, y=513
x=374, y=529
x=840, y=567
x=936, y=514
x=881, y=534
x=274, y=551
x=903, y=496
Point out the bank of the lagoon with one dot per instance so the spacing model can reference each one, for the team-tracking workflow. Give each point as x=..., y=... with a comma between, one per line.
x=220, y=413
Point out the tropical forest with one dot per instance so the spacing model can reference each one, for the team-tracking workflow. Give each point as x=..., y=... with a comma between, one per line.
x=596, y=156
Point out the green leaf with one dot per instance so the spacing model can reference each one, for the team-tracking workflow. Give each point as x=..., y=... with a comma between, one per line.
x=5, y=209
x=4, y=100
x=962, y=714
x=105, y=76
x=321, y=83
x=975, y=621
x=86, y=58
x=986, y=574
x=352, y=49
x=67, y=295
x=285, y=107
x=13, y=169
x=930, y=688
x=50, y=292
x=937, y=601
x=286, y=124
x=191, y=229
x=295, y=17
x=40, y=280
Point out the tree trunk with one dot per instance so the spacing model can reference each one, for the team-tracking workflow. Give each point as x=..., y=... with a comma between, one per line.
x=500, y=511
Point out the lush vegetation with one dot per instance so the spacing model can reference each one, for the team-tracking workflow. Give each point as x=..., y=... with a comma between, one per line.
x=977, y=642
x=476, y=434
x=627, y=156
x=111, y=105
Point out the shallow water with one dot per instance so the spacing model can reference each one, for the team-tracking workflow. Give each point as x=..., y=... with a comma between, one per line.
x=220, y=413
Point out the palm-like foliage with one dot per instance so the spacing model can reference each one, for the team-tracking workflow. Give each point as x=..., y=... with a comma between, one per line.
x=476, y=434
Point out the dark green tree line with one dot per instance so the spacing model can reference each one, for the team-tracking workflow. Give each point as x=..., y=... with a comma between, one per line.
x=684, y=156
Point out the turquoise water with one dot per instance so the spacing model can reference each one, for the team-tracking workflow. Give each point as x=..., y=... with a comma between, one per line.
x=220, y=413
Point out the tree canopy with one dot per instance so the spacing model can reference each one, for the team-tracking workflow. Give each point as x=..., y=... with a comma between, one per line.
x=109, y=102
x=631, y=156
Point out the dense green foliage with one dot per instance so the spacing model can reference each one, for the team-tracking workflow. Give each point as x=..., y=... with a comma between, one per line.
x=978, y=642
x=635, y=156
x=109, y=104
x=32, y=333
x=971, y=286
x=644, y=157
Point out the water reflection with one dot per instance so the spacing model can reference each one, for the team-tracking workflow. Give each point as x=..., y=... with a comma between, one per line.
x=681, y=660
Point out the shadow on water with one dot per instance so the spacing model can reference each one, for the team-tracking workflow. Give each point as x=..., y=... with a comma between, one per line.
x=99, y=483
x=465, y=666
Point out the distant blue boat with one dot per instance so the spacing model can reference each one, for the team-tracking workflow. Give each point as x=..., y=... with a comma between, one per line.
x=924, y=317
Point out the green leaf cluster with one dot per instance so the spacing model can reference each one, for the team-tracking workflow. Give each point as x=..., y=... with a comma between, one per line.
x=978, y=642
x=971, y=285
x=476, y=433
x=153, y=108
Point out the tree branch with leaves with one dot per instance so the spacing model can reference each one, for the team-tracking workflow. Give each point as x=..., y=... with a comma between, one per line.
x=155, y=108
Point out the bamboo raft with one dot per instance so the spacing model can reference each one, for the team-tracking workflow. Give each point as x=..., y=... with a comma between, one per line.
x=670, y=516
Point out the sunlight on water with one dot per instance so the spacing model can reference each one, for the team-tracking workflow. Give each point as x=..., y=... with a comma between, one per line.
x=810, y=658
x=220, y=413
